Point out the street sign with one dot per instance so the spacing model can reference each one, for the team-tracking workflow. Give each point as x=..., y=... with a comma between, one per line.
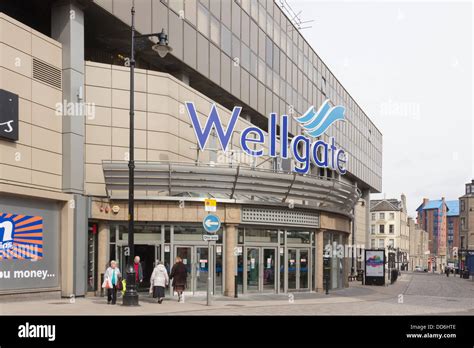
x=211, y=223
x=210, y=237
x=210, y=204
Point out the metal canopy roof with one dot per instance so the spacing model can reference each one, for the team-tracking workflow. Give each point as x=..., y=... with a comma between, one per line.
x=153, y=180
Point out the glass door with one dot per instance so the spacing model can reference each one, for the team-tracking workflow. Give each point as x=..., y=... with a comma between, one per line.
x=269, y=263
x=202, y=262
x=303, y=265
x=185, y=253
x=253, y=268
x=292, y=269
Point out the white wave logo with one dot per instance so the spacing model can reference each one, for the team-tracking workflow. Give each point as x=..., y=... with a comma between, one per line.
x=316, y=123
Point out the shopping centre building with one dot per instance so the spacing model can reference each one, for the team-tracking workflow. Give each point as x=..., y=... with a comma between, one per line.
x=65, y=86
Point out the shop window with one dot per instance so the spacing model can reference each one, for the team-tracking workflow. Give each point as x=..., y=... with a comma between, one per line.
x=298, y=237
x=261, y=235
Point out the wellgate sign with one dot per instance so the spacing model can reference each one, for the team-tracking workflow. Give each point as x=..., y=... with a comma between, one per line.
x=303, y=149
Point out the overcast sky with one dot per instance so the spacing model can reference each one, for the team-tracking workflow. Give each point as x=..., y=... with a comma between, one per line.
x=409, y=66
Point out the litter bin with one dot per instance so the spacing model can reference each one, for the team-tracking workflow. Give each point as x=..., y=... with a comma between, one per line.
x=360, y=275
x=465, y=274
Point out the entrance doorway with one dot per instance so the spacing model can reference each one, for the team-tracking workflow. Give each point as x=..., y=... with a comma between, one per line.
x=198, y=262
x=148, y=253
x=260, y=269
x=298, y=269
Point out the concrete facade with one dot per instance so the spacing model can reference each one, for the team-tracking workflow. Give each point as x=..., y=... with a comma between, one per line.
x=419, y=249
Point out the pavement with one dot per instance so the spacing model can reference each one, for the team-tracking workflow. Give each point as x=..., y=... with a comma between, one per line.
x=412, y=294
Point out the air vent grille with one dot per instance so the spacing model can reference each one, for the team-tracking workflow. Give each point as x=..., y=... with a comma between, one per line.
x=279, y=216
x=46, y=73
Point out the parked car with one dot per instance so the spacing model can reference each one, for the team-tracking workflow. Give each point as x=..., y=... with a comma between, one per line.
x=418, y=269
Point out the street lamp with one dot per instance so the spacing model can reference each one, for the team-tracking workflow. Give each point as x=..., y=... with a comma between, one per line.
x=130, y=297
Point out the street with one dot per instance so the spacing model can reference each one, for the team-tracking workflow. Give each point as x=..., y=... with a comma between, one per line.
x=412, y=294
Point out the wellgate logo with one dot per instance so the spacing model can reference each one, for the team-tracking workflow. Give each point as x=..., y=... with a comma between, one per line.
x=301, y=148
x=316, y=123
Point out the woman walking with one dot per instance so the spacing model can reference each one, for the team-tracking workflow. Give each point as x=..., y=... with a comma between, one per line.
x=112, y=279
x=158, y=281
x=179, y=275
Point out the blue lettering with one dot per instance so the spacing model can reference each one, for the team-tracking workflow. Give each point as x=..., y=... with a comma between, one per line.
x=302, y=159
x=213, y=121
x=244, y=139
x=324, y=153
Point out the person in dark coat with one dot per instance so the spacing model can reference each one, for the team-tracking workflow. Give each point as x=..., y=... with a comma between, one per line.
x=179, y=275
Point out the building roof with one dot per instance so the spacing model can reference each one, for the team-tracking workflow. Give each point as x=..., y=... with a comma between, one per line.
x=385, y=205
x=453, y=208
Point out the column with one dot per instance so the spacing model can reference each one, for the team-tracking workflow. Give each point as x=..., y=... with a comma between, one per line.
x=230, y=260
x=67, y=27
x=103, y=251
x=319, y=286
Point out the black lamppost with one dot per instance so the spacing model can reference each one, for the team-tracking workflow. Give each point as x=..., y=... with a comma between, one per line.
x=131, y=295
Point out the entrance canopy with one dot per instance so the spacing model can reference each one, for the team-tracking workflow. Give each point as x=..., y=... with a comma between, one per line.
x=154, y=180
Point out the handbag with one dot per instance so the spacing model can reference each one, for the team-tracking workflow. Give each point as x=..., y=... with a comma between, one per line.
x=106, y=284
x=119, y=284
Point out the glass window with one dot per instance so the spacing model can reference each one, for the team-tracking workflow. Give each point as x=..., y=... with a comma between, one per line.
x=381, y=228
x=269, y=51
x=372, y=229
x=226, y=40
x=215, y=6
x=392, y=216
x=391, y=229
x=253, y=64
x=261, y=235
x=381, y=243
x=176, y=5
x=261, y=70
x=215, y=33
x=373, y=216
x=372, y=243
x=298, y=237
x=203, y=20
x=245, y=54
x=391, y=242
x=236, y=19
x=382, y=216
x=254, y=9
x=190, y=11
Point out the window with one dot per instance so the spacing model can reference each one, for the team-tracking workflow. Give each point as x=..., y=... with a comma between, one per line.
x=226, y=42
x=382, y=216
x=468, y=189
x=323, y=85
x=463, y=223
x=203, y=20
x=215, y=34
x=372, y=243
x=373, y=216
x=392, y=216
x=381, y=228
x=391, y=228
x=463, y=205
x=372, y=229
x=381, y=243
x=391, y=242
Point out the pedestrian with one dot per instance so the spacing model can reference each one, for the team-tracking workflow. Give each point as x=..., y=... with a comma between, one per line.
x=158, y=281
x=112, y=282
x=447, y=271
x=138, y=270
x=179, y=275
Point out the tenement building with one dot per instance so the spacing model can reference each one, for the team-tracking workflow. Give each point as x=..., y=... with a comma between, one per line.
x=466, y=228
x=242, y=110
x=389, y=228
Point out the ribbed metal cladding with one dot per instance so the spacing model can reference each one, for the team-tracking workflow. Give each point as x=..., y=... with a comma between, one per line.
x=280, y=217
x=237, y=183
x=47, y=73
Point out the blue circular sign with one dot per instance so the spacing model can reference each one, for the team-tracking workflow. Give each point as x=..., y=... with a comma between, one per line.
x=211, y=223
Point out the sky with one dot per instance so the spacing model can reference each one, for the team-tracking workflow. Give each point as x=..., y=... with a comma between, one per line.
x=409, y=66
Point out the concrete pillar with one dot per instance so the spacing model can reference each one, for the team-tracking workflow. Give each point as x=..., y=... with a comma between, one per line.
x=319, y=286
x=67, y=27
x=67, y=250
x=230, y=259
x=103, y=251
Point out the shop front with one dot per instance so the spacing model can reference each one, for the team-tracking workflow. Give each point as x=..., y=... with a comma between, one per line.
x=271, y=239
